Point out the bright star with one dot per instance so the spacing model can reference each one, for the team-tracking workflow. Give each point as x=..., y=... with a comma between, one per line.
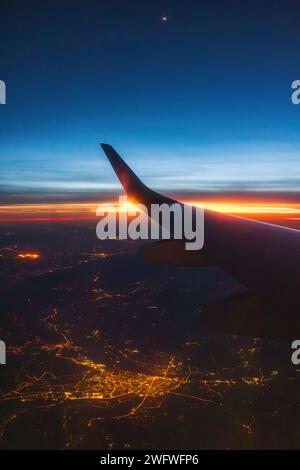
x=164, y=18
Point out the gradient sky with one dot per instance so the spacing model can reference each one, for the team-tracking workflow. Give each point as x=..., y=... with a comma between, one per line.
x=200, y=102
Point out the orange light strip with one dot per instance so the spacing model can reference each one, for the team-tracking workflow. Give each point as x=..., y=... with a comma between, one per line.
x=249, y=208
x=87, y=210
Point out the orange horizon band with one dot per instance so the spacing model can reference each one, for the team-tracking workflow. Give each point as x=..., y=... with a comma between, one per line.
x=87, y=211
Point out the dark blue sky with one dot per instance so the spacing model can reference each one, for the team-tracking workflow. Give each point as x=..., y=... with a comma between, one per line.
x=201, y=101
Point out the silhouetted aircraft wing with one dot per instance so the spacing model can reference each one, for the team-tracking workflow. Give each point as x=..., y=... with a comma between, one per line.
x=264, y=257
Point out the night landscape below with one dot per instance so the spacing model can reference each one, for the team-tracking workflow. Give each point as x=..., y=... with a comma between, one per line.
x=108, y=352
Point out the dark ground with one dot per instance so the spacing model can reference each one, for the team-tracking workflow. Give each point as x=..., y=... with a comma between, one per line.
x=105, y=351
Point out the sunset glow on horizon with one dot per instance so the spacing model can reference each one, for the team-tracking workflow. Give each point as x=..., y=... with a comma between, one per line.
x=87, y=210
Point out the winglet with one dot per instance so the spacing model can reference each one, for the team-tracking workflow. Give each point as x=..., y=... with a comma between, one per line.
x=133, y=186
x=128, y=179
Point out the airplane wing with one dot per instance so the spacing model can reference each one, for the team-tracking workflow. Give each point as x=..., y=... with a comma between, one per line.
x=262, y=256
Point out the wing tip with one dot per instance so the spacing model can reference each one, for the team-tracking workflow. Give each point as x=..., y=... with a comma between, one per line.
x=105, y=146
